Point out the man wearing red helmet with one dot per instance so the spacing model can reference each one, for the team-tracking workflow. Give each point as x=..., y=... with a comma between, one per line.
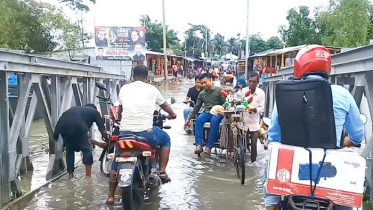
x=315, y=61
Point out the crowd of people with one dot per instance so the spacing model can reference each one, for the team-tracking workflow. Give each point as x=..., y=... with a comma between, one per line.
x=137, y=115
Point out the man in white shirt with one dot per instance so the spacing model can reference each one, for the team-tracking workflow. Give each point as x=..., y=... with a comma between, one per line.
x=138, y=102
x=252, y=119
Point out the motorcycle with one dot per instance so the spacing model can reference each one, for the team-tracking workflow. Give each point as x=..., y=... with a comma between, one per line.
x=305, y=202
x=138, y=165
x=112, y=123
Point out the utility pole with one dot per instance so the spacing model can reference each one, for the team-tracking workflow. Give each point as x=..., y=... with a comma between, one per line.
x=164, y=42
x=206, y=42
x=247, y=42
x=82, y=29
x=185, y=48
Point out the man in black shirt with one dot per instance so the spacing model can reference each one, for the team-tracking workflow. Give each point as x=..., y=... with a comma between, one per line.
x=192, y=95
x=73, y=126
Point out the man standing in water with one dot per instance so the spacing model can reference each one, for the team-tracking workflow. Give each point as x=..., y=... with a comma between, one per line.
x=73, y=126
x=253, y=118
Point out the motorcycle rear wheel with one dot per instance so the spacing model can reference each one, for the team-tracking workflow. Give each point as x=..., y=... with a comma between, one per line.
x=132, y=198
x=105, y=164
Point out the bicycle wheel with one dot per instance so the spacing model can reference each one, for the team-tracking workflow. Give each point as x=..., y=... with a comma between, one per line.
x=242, y=163
x=240, y=160
x=236, y=162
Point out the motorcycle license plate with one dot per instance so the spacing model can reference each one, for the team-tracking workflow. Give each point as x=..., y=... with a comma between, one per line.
x=126, y=159
x=125, y=176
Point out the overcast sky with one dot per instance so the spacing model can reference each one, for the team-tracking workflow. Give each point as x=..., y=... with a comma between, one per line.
x=227, y=17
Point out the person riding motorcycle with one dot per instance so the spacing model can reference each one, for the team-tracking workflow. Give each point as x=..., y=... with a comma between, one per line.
x=192, y=95
x=315, y=61
x=138, y=102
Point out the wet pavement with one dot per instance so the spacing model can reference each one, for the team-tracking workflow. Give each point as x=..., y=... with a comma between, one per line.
x=197, y=182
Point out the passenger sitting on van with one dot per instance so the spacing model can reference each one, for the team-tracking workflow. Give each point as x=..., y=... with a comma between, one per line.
x=240, y=89
x=209, y=97
x=315, y=61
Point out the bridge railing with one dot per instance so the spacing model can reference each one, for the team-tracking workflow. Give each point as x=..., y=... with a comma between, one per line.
x=54, y=86
x=354, y=70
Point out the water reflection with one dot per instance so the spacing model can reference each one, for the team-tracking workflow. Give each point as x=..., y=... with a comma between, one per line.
x=197, y=183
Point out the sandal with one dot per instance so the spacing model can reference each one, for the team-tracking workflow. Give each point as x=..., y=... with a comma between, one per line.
x=110, y=203
x=164, y=177
x=198, y=150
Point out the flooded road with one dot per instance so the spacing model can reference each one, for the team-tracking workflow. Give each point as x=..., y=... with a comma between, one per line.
x=197, y=182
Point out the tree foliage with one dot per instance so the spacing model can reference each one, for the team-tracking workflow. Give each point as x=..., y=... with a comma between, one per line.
x=346, y=23
x=66, y=33
x=12, y=35
x=78, y=4
x=36, y=27
x=274, y=43
x=154, y=35
x=196, y=37
x=21, y=23
x=302, y=28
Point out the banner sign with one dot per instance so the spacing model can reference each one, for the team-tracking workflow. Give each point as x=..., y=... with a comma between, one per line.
x=120, y=43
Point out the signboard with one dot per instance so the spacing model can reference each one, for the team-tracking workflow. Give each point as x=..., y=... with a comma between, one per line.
x=120, y=43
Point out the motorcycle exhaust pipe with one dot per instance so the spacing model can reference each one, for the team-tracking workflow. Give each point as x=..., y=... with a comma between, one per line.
x=153, y=181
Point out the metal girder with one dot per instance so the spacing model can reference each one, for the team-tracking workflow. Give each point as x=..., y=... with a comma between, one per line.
x=369, y=95
x=354, y=54
x=85, y=97
x=78, y=100
x=43, y=103
x=18, y=121
x=24, y=58
x=52, y=70
x=274, y=78
x=4, y=136
x=67, y=96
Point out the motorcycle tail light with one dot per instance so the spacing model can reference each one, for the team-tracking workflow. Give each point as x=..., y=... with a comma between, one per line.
x=129, y=144
x=122, y=145
x=114, y=138
x=125, y=144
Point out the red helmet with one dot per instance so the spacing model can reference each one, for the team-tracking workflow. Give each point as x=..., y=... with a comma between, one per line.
x=312, y=58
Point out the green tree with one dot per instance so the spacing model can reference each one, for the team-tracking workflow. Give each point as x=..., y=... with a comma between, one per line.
x=370, y=36
x=12, y=36
x=233, y=44
x=195, y=44
x=301, y=30
x=154, y=36
x=78, y=4
x=25, y=31
x=220, y=46
x=67, y=33
x=257, y=44
x=81, y=6
x=346, y=23
x=274, y=43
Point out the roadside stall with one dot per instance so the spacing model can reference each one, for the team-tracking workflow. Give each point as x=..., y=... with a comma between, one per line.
x=270, y=61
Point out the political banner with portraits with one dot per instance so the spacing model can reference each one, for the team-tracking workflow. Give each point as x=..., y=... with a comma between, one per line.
x=120, y=43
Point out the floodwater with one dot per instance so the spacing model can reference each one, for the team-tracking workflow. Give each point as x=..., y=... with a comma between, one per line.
x=197, y=182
